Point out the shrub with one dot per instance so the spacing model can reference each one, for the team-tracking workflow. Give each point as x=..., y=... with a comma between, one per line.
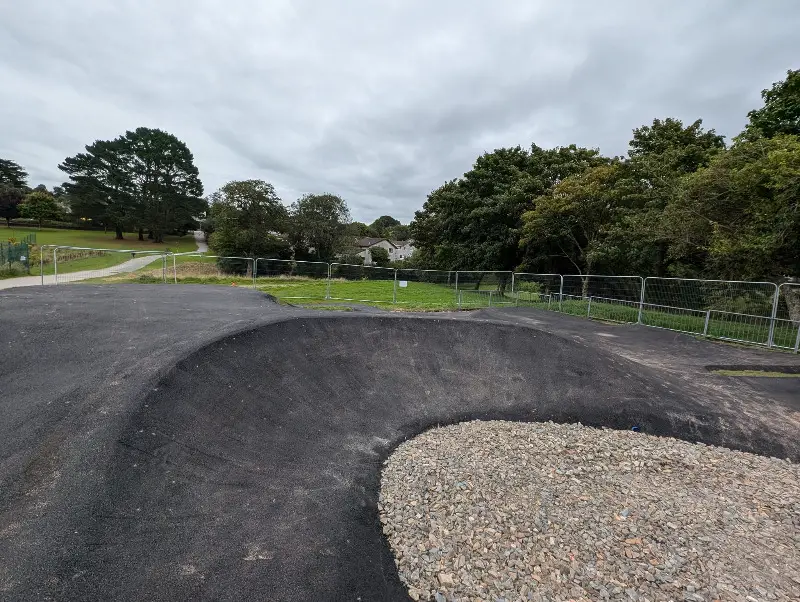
x=12, y=270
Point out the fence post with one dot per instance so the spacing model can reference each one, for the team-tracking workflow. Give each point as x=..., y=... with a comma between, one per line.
x=55, y=266
x=255, y=271
x=797, y=340
x=561, y=292
x=589, y=308
x=641, y=301
x=512, y=287
x=164, y=268
x=774, y=314
x=174, y=270
x=705, y=326
x=490, y=298
x=458, y=295
x=394, y=289
x=328, y=283
x=41, y=263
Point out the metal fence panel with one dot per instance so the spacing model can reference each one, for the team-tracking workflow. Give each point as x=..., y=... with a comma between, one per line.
x=477, y=284
x=349, y=282
x=15, y=257
x=612, y=298
x=679, y=319
x=426, y=288
x=536, y=290
x=786, y=331
x=288, y=279
x=288, y=268
x=738, y=310
x=199, y=268
x=81, y=264
x=750, y=312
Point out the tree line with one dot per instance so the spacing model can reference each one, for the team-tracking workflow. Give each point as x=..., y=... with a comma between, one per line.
x=145, y=181
x=682, y=203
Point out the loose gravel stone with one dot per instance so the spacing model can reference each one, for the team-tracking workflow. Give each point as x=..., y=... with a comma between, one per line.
x=540, y=511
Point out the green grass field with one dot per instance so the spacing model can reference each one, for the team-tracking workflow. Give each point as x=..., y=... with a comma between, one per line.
x=78, y=261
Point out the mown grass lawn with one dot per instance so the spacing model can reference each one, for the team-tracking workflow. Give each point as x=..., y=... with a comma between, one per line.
x=99, y=239
x=93, y=239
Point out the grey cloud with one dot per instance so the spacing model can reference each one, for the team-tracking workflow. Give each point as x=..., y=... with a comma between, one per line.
x=379, y=102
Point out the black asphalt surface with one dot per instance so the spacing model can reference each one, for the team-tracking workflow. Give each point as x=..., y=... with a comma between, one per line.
x=203, y=443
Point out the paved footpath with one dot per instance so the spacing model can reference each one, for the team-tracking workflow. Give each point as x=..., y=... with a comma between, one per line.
x=128, y=266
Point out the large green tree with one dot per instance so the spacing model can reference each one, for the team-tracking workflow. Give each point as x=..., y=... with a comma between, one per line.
x=39, y=205
x=319, y=226
x=474, y=222
x=12, y=175
x=571, y=221
x=100, y=187
x=742, y=212
x=145, y=178
x=660, y=155
x=10, y=200
x=781, y=111
x=13, y=185
x=383, y=225
x=249, y=220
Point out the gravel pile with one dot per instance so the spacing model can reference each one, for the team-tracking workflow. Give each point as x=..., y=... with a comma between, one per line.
x=514, y=511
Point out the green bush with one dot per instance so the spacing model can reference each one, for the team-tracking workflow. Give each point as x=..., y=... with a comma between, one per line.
x=528, y=287
x=13, y=270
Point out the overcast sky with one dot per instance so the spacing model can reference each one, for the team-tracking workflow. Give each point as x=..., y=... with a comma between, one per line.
x=377, y=101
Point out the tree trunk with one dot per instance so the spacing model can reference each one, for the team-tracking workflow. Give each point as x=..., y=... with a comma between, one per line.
x=791, y=295
x=585, y=281
x=149, y=235
x=158, y=237
x=118, y=232
x=141, y=233
x=661, y=259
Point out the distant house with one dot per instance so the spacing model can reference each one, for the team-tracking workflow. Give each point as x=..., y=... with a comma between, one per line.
x=397, y=249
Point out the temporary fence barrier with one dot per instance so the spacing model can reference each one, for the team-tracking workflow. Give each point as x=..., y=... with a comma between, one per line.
x=79, y=264
x=375, y=284
x=739, y=311
x=295, y=279
x=786, y=330
x=199, y=267
x=762, y=313
x=477, y=284
x=425, y=288
x=536, y=290
x=615, y=298
x=15, y=256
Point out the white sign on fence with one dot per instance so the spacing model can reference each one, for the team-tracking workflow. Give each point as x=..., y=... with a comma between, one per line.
x=403, y=283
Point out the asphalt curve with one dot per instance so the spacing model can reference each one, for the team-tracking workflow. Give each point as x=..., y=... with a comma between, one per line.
x=203, y=443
